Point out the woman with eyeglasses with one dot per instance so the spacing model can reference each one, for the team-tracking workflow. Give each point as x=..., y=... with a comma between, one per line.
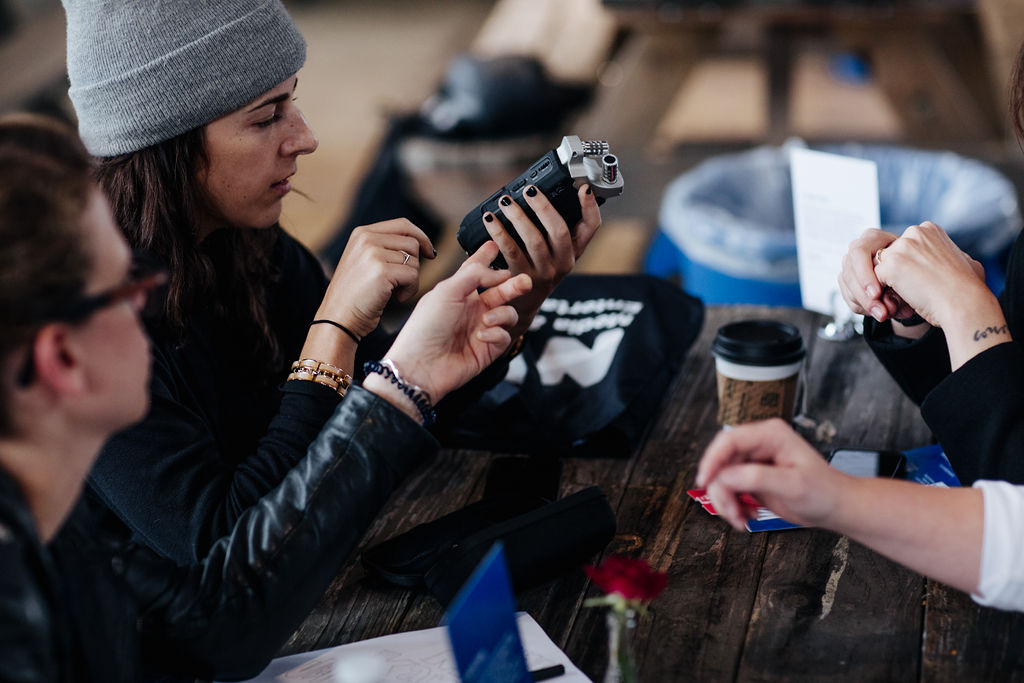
x=79, y=602
x=197, y=132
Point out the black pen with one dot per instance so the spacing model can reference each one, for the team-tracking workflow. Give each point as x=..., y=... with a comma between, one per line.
x=549, y=672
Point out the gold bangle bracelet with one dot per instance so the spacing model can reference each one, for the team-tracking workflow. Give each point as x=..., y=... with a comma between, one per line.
x=330, y=376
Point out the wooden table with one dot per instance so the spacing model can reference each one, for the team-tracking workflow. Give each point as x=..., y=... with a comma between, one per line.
x=800, y=604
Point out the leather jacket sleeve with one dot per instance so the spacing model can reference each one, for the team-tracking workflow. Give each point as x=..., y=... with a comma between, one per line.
x=228, y=615
x=27, y=646
x=169, y=479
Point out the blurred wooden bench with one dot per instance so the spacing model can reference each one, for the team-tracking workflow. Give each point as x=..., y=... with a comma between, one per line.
x=32, y=55
x=941, y=67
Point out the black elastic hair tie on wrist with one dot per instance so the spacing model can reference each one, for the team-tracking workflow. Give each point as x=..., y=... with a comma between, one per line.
x=912, y=321
x=340, y=327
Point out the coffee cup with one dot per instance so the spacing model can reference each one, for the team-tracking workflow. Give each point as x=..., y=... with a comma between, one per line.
x=757, y=364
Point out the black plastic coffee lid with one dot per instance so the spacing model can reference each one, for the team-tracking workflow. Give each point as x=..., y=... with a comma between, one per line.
x=759, y=342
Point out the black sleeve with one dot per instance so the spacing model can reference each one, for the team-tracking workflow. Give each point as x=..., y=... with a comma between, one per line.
x=227, y=616
x=167, y=479
x=977, y=414
x=917, y=365
x=27, y=635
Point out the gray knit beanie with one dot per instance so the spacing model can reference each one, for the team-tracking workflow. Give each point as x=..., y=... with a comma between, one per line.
x=145, y=71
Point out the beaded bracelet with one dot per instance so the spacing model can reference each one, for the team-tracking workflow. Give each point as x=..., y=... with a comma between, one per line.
x=419, y=397
x=326, y=374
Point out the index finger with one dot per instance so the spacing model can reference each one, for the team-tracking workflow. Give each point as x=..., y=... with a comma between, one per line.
x=475, y=273
x=403, y=226
x=758, y=441
x=506, y=290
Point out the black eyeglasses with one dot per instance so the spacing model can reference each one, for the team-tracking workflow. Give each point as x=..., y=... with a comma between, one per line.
x=139, y=289
x=143, y=289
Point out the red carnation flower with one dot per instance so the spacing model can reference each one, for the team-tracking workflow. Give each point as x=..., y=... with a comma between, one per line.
x=631, y=578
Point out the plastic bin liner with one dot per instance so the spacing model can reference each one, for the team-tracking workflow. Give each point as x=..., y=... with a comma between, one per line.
x=734, y=213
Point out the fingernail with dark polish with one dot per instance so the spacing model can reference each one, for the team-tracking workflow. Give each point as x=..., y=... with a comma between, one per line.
x=435, y=252
x=588, y=189
x=488, y=217
x=505, y=201
x=531, y=191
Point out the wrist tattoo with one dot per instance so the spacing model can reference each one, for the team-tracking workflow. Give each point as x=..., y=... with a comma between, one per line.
x=983, y=333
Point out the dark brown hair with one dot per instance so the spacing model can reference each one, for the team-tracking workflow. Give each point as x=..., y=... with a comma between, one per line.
x=45, y=183
x=1017, y=95
x=158, y=202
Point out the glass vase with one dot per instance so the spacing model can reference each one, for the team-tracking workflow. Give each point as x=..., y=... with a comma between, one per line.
x=621, y=660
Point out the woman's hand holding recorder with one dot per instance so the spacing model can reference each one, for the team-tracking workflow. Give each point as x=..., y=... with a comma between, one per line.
x=550, y=253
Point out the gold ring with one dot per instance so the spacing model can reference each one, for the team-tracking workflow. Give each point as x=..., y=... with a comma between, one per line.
x=407, y=257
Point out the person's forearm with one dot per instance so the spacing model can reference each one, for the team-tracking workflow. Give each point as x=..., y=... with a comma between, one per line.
x=934, y=531
x=975, y=325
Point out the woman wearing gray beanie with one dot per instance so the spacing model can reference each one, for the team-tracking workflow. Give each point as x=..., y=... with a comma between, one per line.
x=78, y=601
x=190, y=108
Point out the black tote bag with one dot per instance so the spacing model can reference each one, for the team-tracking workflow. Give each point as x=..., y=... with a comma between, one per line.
x=593, y=370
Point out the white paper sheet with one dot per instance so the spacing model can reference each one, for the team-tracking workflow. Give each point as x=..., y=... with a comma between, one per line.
x=414, y=657
x=835, y=199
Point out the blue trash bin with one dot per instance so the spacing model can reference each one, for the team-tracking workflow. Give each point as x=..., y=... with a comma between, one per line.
x=726, y=227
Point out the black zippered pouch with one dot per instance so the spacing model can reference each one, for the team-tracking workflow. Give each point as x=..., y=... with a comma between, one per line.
x=543, y=540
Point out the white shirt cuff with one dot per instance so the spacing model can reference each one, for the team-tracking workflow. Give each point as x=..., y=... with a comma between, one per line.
x=1001, y=575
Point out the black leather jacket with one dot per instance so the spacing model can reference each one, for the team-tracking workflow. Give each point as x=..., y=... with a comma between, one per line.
x=89, y=607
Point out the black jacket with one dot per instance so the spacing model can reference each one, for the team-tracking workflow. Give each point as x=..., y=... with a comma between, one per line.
x=977, y=412
x=211, y=445
x=91, y=607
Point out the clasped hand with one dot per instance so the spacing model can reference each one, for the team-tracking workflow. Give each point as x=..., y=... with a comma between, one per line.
x=922, y=271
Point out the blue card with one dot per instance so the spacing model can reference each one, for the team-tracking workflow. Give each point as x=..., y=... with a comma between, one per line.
x=482, y=627
x=929, y=465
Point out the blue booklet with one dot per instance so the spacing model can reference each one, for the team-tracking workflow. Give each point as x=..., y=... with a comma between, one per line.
x=481, y=623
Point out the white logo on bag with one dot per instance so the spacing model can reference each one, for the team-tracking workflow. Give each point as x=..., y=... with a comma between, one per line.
x=568, y=356
x=590, y=306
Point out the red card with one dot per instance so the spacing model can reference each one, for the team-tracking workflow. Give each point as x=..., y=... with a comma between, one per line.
x=701, y=496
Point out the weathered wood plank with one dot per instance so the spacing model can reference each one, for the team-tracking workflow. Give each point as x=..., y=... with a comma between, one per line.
x=829, y=608
x=966, y=642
